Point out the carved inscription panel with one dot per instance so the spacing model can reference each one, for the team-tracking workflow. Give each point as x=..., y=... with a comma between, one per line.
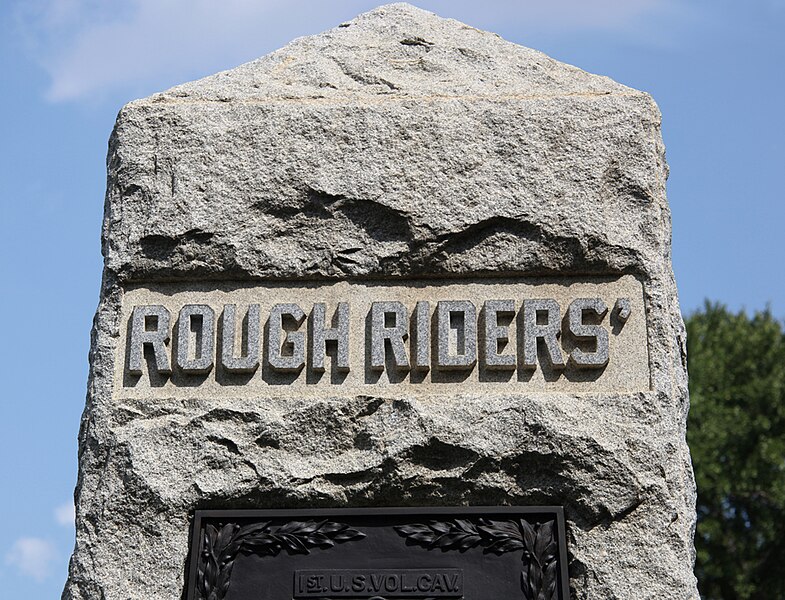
x=424, y=337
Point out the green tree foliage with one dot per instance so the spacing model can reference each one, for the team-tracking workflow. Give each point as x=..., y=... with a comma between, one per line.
x=736, y=434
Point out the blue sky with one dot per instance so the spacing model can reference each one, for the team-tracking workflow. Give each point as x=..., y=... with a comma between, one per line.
x=716, y=68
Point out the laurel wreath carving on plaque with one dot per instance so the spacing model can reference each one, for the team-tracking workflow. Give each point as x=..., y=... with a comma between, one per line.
x=223, y=543
x=538, y=541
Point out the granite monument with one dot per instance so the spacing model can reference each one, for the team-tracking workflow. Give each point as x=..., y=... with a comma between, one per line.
x=402, y=263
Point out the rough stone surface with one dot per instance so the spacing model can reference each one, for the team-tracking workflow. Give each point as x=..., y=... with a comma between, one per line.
x=398, y=144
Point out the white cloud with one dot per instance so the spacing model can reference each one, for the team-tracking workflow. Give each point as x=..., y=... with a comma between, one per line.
x=92, y=47
x=571, y=14
x=65, y=514
x=32, y=557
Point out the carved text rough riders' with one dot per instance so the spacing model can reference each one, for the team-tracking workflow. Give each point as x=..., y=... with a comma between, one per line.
x=443, y=335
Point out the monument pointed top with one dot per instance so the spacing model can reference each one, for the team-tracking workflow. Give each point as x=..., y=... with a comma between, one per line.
x=397, y=51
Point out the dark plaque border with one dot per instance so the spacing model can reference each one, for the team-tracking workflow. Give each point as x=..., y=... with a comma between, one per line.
x=541, y=538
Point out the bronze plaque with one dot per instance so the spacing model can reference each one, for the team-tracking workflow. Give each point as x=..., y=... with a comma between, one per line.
x=488, y=553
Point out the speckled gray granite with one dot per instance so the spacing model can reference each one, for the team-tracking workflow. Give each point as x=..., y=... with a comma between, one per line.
x=399, y=144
